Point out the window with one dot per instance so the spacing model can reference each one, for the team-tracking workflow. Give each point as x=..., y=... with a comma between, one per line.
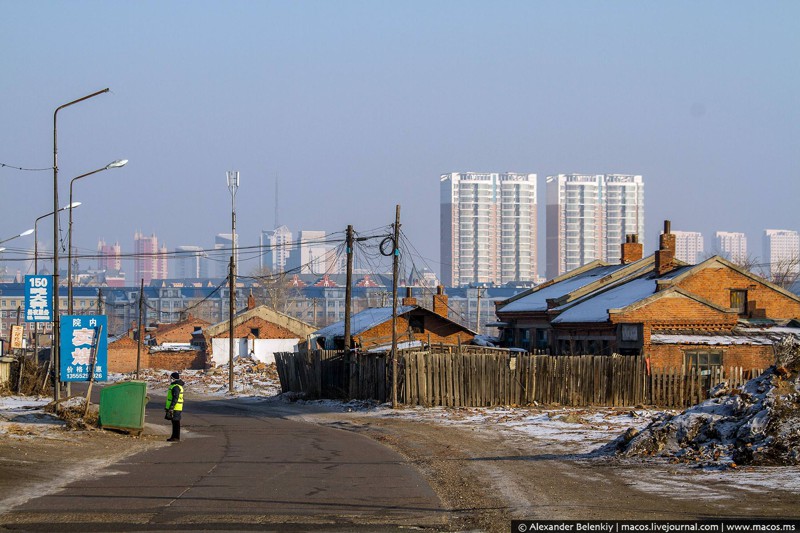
x=254, y=331
x=703, y=361
x=416, y=323
x=739, y=300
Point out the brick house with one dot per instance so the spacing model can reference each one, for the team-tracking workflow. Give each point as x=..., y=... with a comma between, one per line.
x=677, y=314
x=259, y=332
x=372, y=328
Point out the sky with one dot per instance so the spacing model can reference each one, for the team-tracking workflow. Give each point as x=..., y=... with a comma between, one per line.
x=355, y=107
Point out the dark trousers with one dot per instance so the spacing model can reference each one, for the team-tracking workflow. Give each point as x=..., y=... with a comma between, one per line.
x=176, y=426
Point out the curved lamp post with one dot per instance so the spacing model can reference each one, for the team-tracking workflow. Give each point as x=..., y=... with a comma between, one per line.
x=115, y=164
x=23, y=234
x=56, y=317
x=36, y=267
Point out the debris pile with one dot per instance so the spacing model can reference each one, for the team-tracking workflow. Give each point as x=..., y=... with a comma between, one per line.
x=758, y=424
x=73, y=412
x=250, y=378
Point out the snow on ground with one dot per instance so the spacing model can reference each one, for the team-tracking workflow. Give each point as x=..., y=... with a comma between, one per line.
x=24, y=417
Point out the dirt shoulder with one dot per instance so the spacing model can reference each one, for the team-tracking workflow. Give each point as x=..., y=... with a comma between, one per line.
x=487, y=478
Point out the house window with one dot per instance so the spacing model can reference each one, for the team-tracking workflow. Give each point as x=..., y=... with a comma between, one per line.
x=739, y=300
x=541, y=339
x=416, y=323
x=254, y=331
x=629, y=332
x=704, y=362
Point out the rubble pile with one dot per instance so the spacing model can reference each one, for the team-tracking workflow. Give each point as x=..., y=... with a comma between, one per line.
x=250, y=378
x=758, y=424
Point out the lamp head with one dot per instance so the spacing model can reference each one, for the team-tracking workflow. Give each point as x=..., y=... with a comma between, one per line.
x=26, y=232
x=118, y=163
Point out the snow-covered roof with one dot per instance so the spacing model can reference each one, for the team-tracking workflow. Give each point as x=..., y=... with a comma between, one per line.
x=712, y=340
x=594, y=308
x=361, y=322
x=537, y=300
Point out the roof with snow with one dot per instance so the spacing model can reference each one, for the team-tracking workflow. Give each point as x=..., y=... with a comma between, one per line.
x=537, y=299
x=709, y=340
x=594, y=308
x=363, y=321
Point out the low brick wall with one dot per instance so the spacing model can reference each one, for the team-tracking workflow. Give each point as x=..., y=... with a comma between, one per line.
x=183, y=360
x=745, y=356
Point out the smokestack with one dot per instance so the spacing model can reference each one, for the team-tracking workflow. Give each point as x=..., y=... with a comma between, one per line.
x=665, y=255
x=631, y=249
x=440, y=302
x=409, y=298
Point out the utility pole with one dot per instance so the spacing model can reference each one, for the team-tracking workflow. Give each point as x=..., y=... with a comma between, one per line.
x=233, y=185
x=395, y=275
x=141, y=330
x=478, y=320
x=348, y=302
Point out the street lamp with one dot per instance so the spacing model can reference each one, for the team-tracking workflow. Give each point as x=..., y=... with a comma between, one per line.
x=23, y=234
x=115, y=164
x=36, y=234
x=36, y=271
x=56, y=318
x=233, y=185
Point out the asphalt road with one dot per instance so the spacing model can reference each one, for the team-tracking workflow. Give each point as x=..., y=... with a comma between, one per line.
x=243, y=467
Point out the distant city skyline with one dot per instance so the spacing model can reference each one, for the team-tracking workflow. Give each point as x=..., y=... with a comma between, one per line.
x=355, y=106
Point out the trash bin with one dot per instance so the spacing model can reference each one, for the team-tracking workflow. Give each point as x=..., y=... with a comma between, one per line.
x=122, y=406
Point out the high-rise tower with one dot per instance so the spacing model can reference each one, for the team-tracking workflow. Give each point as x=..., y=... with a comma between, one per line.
x=588, y=217
x=487, y=227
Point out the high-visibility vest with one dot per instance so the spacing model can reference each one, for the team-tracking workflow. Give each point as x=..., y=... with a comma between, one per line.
x=179, y=403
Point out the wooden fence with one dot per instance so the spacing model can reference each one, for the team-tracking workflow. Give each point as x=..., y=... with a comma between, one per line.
x=474, y=377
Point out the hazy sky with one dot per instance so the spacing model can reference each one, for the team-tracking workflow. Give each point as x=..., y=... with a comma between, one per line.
x=359, y=106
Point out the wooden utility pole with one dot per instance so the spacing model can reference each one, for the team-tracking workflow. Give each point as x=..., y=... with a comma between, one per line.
x=348, y=290
x=141, y=330
x=478, y=309
x=348, y=310
x=395, y=275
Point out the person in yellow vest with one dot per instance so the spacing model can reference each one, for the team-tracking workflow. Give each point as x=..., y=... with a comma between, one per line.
x=174, y=406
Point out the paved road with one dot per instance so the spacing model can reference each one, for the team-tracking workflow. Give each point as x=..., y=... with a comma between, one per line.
x=243, y=467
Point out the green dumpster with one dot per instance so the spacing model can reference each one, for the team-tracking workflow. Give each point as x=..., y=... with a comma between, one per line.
x=122, y=406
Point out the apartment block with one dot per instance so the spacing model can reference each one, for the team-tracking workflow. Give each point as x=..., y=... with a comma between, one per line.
x=487, y=227
x=732, y=246
x=588, y=217
x=781, y=253
x=689, y=246
x=151, y=260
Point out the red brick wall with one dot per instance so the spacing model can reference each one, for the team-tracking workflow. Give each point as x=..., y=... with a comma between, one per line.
x=181, y=332
x=439, y=330
x=747, y=357
x=715, y=284
x=266, y=330
x=177, y=360
x=122, y=355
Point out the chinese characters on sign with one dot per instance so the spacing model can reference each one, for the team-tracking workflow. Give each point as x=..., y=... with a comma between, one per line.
x=16, y=337
x=80, y=334
x=38, y=298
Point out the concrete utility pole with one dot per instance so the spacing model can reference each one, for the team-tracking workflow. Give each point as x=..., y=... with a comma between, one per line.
x=348, y=301
x=233, y=185
x=395, y=275
x=141, y=330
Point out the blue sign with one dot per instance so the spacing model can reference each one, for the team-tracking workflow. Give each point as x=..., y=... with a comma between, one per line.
x=38, y=298
x=84, y=345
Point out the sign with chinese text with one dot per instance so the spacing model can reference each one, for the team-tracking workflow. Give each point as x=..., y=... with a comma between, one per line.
x=82, y=337
x=38, y=298
x=16, y=337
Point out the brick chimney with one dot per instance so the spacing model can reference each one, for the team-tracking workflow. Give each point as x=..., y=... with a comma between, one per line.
x=631, y=249
x=251, y=301
x=440, y=302
x=409, y=298
x=665, y=255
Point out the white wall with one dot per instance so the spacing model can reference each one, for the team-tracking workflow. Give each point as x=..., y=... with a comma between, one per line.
x=262, y=350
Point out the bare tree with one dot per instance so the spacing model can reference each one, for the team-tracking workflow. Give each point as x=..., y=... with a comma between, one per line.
x=785, y=272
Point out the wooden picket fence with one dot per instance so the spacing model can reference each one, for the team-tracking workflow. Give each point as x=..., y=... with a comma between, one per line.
x=483, y=377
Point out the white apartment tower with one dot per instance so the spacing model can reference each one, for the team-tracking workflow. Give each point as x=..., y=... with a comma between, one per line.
x=488, y=227
x=689, y=246
x=275, y=249
x=732, y=246
x=190, y=262
x=588, y=217
x=781, y=254
x=224, y=247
